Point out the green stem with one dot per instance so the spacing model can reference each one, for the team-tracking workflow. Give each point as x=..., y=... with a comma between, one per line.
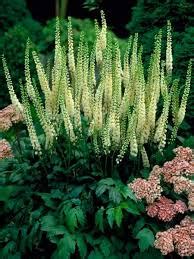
x=63, y=8
x=57, y=8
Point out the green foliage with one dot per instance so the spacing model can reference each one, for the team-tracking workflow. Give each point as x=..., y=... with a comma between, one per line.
x=78, y=26
x=53, y=206
x=13, y=44
x=12, y=12
x=146, y=239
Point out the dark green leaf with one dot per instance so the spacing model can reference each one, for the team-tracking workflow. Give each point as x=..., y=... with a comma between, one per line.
x=138, y=226
x=118, y=215
x=110, y=216
x=146, y=239
x=132, y=208
x=105, y=247
x=114, y=195
x=99, y=221
x=82, y=246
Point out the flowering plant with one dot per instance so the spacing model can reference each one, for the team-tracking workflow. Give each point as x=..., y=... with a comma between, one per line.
x=178, y=173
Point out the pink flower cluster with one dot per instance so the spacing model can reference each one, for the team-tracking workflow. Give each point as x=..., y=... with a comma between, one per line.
x=165, y=209
x=5, y=149
x=177, y=239
x=149, y=189
x=175, y=171
x=191, y=198
x=9, y=116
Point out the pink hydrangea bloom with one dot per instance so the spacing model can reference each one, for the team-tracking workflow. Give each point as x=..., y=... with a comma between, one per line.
x=177, y=239
x=165, y=209
x=146, y=189
x=5, y=149
x=8, y=116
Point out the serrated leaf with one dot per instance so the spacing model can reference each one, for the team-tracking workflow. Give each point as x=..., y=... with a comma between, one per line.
x=47, y=222
x=48, y=201
x=105, y=247
x=76, y=191
x=117, y=243
x=66, y=246
x=114, y=195
x=82, y=246
x=138, y=226
x=146, y=239
x=132, y=208
x=99, y=220
x=57, y=230
x=95, y=254
x=80, y=216
x=110, y=216
x=107, y=181
x=57, y=194
x=33, y=235
x=128, y=193
x=7, y=191
x=71, y=219
x=100, y=189
x=118, y=216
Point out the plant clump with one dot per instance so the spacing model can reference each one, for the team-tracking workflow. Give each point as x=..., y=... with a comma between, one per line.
x=116, y=97
x=177, y=239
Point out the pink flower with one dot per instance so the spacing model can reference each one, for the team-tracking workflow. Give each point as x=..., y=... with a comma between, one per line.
x=191, y=198
x=181, y=184
x=146, y=189
x=5, y=149
x=8, y=116
x=180, y=207
x=139, y=187
x=183, y=153
x=165, y=209
x=152, y=210
x=177, y=239
x=164, y=242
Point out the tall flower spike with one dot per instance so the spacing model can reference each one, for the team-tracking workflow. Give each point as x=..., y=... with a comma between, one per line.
x=44, y=82
x=44, y=120
x=12, y=94
x=29, y=86
x=145, y=158
x=56, y=73
x=126, y=75
x=133, y=145
x=182, y=108
x=86, y=94
x=29, y=122
x=181, y=112
x=169, y=61
x=103, y=31
x=117, y=79
x=67, y=122
x=175, y=92
x=98, y=44
x=71, y=58
x=140, y=96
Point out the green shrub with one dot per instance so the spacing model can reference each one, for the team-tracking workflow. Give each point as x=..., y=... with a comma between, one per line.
x=13, y=44
x=78, y=25
x=121, y=104
x=12, y=12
